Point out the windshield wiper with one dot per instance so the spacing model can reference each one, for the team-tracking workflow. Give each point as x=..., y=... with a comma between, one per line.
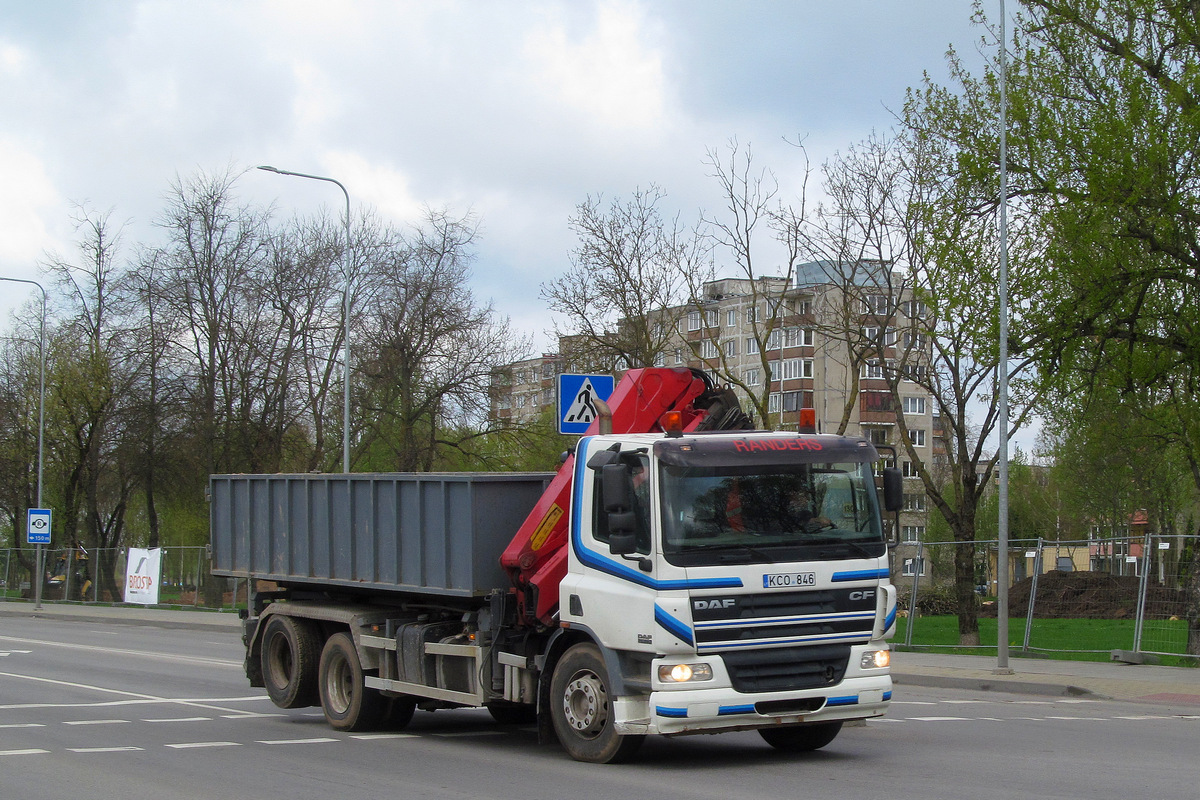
x=731, y=548
x=860, y=549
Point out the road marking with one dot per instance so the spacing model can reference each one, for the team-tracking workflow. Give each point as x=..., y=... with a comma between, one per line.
x=941, y=719
x=366, y=737
x=250, y=715
x=137, y=697
x=92, y=648
x=30, y=752
x=23, y=725
x=193, y=745
x=318, y=740
x=180, y=719
x=129, y=749
x=96, y=722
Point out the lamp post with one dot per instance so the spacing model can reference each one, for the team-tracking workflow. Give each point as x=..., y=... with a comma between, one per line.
x=345, y=310
x=41, y=424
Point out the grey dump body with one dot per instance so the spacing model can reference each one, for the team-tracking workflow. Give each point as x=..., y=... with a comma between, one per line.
x=428, y=533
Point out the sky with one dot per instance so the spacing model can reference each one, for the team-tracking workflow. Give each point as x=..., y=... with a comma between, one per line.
x=515, y=111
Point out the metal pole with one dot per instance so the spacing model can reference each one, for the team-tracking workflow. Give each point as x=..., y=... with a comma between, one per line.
x=345, y=309
x=1002, y=367
x=1143, y=587
x=912, y=601
x=1037, y=572
x=41, y=427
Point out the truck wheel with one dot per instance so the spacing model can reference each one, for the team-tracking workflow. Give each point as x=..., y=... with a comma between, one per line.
x=399, y=712
x=290, y=649
x=348, y=704
x=801, y=738
x=581, y=711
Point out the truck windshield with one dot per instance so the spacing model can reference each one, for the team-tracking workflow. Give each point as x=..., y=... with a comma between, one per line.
x=769, y=513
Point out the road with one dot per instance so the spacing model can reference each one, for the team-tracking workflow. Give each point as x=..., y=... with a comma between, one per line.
x=115, y=711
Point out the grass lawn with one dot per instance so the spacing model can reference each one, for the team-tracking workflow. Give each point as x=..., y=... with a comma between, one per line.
x=1071, y=639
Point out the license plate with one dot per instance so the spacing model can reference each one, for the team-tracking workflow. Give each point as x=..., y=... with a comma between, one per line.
x=789, y=580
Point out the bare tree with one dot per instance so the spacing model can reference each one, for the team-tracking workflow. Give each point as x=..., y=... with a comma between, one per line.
x=429, y=348
x=621, y=300
x=752, y=208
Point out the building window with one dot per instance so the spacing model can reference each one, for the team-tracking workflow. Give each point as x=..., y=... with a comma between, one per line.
x=872, y=370
x=678, y=355
x=731, y=347
x=708, y=349
x=794, y=401
x=876, y=435
x=797, y=368
x=917, y=437
x=912, y=566
x=802, y=307
x=913, y=309
x=914, y=502
x=731, y=318
x=751, y=315
x=910, y=470
x=751, y=346
x=773, y=403
x=752, y=377
x=712, y=318
x=914, y=405
x=876, y=401
x=773, y=370
x=774, y=339
x=693, y=320
x=878, y=304
x=660, y=359
x=912, y=533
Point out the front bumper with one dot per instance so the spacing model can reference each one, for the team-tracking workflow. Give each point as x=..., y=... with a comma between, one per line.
x=714, y=706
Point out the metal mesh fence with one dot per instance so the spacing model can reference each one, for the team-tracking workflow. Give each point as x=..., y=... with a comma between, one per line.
x=79, y=575
x=1129, y=594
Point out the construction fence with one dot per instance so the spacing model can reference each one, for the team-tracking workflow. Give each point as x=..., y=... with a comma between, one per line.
x=79, y=575
x=1124, y=597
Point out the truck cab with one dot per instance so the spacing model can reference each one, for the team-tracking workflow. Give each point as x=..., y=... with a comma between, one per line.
x=731, y=581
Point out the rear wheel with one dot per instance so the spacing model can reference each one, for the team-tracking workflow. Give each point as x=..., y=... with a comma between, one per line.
x=348, y=704
x=581, y=710
x=801, y=738
x=290, y=650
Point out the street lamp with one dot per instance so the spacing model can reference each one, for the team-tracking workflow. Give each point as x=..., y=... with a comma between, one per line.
x=345, y=311
x=41, y=424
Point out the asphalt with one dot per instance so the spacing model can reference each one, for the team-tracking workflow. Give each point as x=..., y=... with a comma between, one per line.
x=1140, y=683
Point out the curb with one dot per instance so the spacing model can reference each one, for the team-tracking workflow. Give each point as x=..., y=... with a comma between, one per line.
x=995, y=685
x=228, y=622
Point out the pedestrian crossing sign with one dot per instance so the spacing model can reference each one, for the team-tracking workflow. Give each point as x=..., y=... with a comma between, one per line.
x=576, y=400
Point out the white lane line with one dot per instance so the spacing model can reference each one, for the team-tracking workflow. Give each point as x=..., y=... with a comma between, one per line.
x=366, y=737
x=250, y=715
x=137, y=696
x=1088, y=719
x=96, y=722
x=1145, y=716
x=91, y=648
x=913, y=703
x=180, y=719
x=941, y=719
x=129, y=749
x=30, y=752
x=318, y=740
x=23, y=725
x=453, y=734
x=193, y=745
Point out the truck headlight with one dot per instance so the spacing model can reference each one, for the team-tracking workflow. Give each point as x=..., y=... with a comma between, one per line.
x=682, y=673
x=876, y=659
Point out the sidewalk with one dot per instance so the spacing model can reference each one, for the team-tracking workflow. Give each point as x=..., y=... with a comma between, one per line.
x=1172, y=686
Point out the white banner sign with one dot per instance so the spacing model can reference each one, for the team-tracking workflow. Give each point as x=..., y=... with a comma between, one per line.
x=141, y=576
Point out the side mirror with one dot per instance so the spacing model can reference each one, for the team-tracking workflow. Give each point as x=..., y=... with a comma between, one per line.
x=614, y=484
x=893, y=489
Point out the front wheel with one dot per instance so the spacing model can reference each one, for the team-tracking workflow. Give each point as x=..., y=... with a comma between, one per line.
x=347, y=702
x=581, y=710
x=801, y=738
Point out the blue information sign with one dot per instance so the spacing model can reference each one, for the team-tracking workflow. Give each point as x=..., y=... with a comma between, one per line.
x=37, y=528
x=576, y=400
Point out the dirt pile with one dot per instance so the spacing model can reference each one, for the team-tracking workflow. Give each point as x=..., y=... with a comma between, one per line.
x=1090, y=595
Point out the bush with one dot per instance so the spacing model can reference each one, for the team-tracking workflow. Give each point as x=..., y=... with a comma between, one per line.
x=934, y=601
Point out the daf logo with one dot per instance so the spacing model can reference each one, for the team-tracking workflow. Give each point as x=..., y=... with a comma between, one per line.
x=727, y=602
x=866, y=594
